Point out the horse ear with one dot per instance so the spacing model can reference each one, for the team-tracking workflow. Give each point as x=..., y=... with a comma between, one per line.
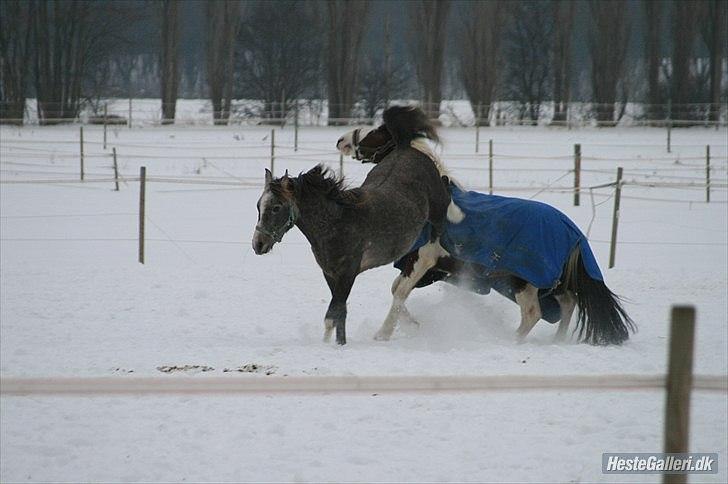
x=268, y=177
x=287, y=184
x=286, y=175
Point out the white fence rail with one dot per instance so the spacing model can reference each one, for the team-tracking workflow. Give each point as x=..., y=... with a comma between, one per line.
x=342, y=384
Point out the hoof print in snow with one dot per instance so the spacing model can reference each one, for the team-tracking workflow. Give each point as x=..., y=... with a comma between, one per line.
x=122, y=370
x=252, y=368
x=185, y=368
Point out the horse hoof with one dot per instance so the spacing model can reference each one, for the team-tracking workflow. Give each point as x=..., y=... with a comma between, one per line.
x=410, y=320
x=382, y=337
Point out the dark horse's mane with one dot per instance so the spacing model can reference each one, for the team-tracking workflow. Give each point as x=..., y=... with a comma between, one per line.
x=318, y=180
x=402, y=124
x=406, y=123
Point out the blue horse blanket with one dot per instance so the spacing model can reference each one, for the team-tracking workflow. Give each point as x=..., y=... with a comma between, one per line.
x=512, y=236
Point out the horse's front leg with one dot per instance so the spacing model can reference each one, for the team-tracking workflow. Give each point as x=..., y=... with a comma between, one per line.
x=427, y=256
x=340, y=287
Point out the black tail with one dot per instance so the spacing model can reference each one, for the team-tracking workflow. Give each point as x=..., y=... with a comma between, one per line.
x=408, y=122
x=602, y=320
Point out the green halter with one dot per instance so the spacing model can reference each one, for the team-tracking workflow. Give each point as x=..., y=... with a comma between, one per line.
x=278, y=234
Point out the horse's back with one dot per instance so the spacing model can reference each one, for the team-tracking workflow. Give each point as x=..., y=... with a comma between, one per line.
x=408, y=173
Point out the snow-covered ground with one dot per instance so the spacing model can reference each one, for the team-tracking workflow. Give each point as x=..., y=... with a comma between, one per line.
x=75, y=302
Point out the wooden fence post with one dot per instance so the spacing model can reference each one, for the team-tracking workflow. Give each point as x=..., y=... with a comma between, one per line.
x=116, y=170
x=707, y=173
x=669, y=123
x=81, y=150
x=142, y=189
x=615, y=217
x=129, y=121
x=577, y=174
x=679, y=383
x=106, y=113
x=490, y=166
x=295, y=128
x=477, y=135
x=341, y=165
x=272, y=150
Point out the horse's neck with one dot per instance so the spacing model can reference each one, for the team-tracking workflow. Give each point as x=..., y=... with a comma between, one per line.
x=318, y=217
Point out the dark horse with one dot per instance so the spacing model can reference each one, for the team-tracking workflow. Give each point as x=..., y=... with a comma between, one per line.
x=352, y=230
x=601, y=318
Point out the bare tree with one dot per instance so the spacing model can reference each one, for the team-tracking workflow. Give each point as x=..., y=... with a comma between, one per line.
x=480, y=53
x=381, y=79
x=528, y=50
x=71, y=38
x=223, y=21
x=653, y=14
x=684, y=32
x=168, y=62
x=608, y=41
x=62, y=33
x=427, y=34
x=713, y=30
x=278, y=54
x=15, y=50
x=562, y=16
x=347, y=21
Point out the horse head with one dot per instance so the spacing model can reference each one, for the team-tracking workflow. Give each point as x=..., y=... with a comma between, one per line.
x=276, y=212
x=368, y=145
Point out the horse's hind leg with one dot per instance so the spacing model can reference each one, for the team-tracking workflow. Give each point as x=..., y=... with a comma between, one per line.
x=427, y=257
x=567, y=303
x=527, y=299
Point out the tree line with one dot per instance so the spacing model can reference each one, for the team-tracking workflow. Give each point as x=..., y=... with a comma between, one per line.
x=67, y=54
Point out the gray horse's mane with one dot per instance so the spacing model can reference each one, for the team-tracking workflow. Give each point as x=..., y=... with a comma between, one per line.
x=321, y=181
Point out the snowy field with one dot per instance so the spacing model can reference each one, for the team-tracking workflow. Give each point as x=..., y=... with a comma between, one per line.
x=75, y=302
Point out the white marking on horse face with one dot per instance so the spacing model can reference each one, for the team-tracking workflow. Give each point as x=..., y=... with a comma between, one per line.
x=263, y=203
x=346, y=143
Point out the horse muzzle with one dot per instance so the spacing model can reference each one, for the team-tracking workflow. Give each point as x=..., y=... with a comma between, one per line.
x=262, y=244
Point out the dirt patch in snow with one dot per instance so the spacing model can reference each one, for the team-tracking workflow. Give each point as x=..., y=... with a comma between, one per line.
x=252, y=368
x=185, y=369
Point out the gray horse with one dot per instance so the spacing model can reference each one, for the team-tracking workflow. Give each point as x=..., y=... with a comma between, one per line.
x=352, y=230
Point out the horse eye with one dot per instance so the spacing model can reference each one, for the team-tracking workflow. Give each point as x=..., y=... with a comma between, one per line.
x=276, y=209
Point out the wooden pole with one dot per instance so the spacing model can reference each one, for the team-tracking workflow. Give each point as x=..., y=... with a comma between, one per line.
x=707, y=173
x=477, y=135
x=341, y=165
x=577, y=174
x=295, y=128
x=142, y=189
x=679, y=383
x=615, y=217
x=272, y=150
x=490, y=166
x=669, y=122
x=106, y=113
x=116, y=170
x=81, y=150
x=129, y=121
